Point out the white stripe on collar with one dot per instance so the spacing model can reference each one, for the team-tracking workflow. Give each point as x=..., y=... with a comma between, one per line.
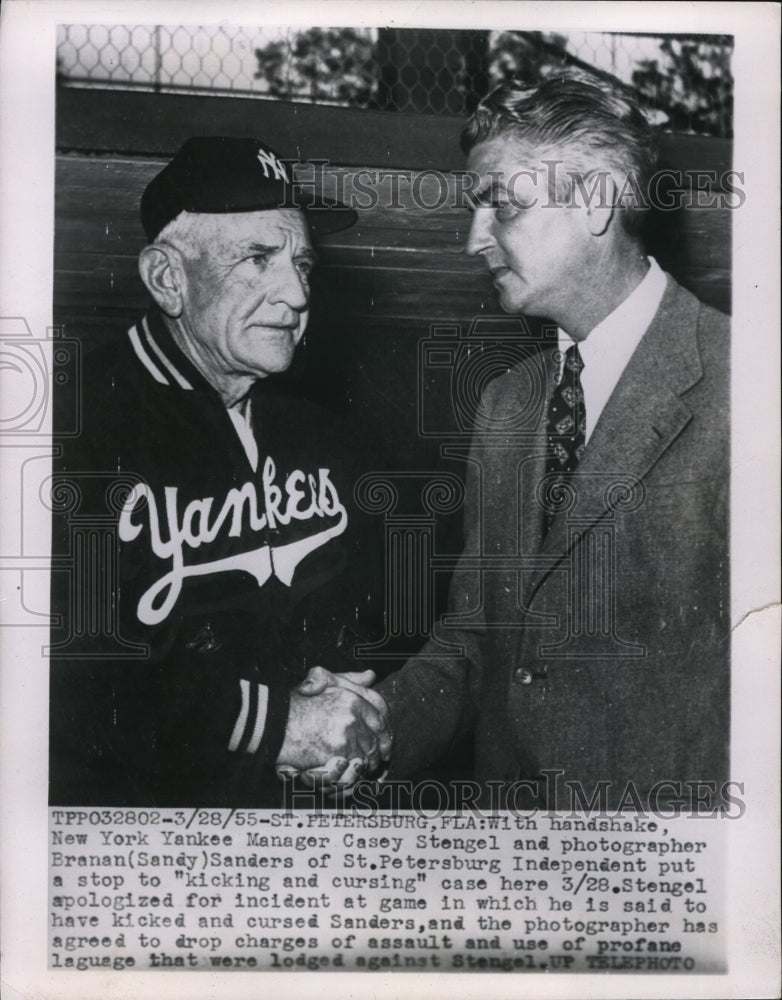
x=178, y=377
x=144, y=358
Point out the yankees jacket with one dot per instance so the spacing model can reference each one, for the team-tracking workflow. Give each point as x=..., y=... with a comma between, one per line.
x=220, y=583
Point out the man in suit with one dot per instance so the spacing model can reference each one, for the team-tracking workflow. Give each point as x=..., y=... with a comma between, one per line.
x=591, y=601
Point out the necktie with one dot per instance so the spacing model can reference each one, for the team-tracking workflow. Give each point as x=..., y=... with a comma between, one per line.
x=566, y=423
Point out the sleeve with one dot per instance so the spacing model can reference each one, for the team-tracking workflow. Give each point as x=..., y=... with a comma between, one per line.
x=171, y=732
x=433, y=700
x=221, y=745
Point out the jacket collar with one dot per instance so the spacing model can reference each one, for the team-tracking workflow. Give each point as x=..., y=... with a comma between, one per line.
x=162, y=359
x=645, y=411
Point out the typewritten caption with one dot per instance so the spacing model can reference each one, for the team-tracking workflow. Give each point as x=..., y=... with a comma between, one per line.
x=220, y=890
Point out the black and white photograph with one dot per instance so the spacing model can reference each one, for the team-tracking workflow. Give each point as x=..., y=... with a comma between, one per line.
x=587, y=626
x=390, y=562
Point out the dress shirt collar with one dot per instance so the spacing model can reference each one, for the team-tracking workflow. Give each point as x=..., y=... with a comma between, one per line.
x=608, y=347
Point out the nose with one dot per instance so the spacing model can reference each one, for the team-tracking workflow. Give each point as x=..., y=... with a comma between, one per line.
x=480, y=238
x=290, y=288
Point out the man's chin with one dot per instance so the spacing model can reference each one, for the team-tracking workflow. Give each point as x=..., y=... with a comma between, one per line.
x=277, y=355
x=513, y=304
x=271, y=364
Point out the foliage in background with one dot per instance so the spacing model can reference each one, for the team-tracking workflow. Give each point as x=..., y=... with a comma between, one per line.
x=690, y=81
x=526, y=56
x=685, y=80
x=329, y=65
x=693, y=84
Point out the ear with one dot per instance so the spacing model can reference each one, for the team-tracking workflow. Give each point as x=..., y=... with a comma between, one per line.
x=602, y=206
x=161, y=272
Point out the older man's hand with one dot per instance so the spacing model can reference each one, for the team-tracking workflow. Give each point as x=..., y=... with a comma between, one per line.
x=337, y=728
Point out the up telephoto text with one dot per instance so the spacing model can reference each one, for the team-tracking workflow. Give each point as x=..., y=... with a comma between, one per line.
x=219, y=889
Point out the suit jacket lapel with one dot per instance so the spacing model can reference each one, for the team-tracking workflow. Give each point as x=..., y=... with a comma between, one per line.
x=643, y=417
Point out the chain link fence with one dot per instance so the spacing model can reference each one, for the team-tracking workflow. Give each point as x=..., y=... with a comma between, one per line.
x=684, y=80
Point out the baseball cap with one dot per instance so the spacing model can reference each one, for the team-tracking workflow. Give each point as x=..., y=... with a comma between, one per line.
x=216, y=174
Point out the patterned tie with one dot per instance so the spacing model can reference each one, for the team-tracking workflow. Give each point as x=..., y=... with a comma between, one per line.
x=566, y=423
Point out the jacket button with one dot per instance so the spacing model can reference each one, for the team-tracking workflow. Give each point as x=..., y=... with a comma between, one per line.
x=522, y=676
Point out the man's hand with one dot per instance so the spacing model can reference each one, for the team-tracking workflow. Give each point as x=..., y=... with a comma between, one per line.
x=337, y=726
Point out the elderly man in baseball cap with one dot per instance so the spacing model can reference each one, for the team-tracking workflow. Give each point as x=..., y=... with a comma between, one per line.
x=242, y=560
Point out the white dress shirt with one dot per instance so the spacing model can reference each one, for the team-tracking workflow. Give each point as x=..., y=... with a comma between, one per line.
x=609, y=346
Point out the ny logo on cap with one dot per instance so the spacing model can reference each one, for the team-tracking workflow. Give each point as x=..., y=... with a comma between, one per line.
x=268, y=160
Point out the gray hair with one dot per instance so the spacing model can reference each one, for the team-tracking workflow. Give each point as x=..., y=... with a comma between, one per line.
x=582, y=119
x=186, y=233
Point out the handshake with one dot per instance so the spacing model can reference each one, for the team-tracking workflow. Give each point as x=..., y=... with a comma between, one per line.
x=338, y=729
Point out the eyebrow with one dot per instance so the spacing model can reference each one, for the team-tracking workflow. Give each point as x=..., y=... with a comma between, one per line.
x=486, y=194
x=261, y=248
x=253, y=248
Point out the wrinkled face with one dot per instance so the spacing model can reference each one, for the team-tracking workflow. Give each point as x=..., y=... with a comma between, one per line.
x=247, y=291
x=535, y=249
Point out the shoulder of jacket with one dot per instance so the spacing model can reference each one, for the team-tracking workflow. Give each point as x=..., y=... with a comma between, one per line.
x=714, y=340
x=711, y=320
x=708, y=317
x=523, y=376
